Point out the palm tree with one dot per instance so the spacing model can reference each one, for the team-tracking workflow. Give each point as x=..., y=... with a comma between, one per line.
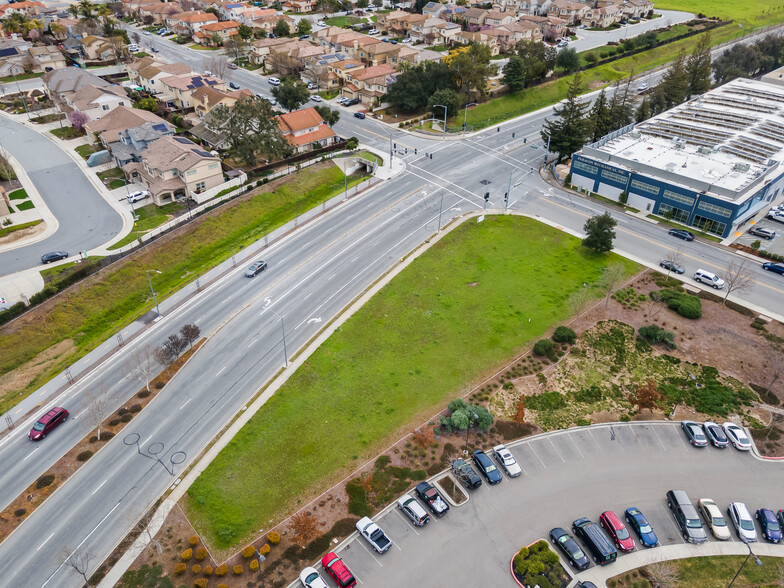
x=12, y=26
x=74, y=10
x=104, y=12
x=87, y=10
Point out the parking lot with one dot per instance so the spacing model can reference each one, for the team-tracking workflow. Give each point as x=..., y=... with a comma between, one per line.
x=566, y=475
x=775, y=245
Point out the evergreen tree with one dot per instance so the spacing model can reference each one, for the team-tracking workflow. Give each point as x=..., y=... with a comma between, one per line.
x=514, y=73
x=599, y=233
x=622, y=104
x=675, y=82
x=698, y=67
x=569, y=131
x=599, y=118
x=643, y=111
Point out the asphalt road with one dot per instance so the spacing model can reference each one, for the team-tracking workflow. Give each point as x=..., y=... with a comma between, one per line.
x=566, y=475
x=86, y=220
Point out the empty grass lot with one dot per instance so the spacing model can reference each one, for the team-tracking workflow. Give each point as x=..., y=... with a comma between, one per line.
x=713, y=572
x=473, y=301
x=149, y=216
x=114, y=297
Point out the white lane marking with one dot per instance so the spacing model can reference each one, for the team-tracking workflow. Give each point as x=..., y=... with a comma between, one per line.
x=251, y=343
x=556, y=449
x=308, y=295
x=597, y=443
x=44, y=543
x=98, y=488
x=576, y=446
x=31, y=453
x=361, y=542
x=186, y=402
x=531, y=447
x=410, y=524
x=221, y=371
x=226, y=300
x=637, y=439
x=659, y=438
x=145, y=441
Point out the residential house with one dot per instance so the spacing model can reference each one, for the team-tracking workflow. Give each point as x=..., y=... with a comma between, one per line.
x=148, y=73
x=229, y=11
x=178, y=90
x=187, y=23
x=13, y=56
x=61, y=83
x=602, y=17
x=206, y=98
x=157, y=13
x=97, y=101
x=552, y=27
x=305, y=130
x=453, y=12
x=401, y=53
x=173, y=168
x=225, y=30
x=425, y=30
x=131, y=7
x=300, y=6
x=133, y=141
x=522, y=7
x=251, y=13
x=377, y=53
x=433, y=9
x=495, y=18
x=571, y=12
x=31, y=9
x=474, y=18
x=383, y=20
x=267, y=23
x=480, y=37
x=109, y=128
x=369, y=84
x=98, y=48
x=427, y=55
x=46, y=58
x=344, y=68
x=637, y=8
x=509, y=35
x=261, y=49
x=447, y=32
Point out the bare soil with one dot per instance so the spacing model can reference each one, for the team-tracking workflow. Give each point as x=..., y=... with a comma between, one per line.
x=24, y=374
x=15, y=236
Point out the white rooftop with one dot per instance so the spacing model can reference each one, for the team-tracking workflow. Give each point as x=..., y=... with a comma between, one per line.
x=726, y=142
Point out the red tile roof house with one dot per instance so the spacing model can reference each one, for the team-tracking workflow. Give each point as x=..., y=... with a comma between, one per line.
x=305, y=130
x=225, y=29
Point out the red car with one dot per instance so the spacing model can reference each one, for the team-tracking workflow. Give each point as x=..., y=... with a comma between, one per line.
x=619, y=533
x=47, y=423
x=338, y=571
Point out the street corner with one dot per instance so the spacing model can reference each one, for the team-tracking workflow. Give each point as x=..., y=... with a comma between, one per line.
x=19, y=287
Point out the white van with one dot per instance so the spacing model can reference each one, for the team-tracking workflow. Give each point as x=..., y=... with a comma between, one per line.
x=274, y=81
x=711, y=279
x=133, y=48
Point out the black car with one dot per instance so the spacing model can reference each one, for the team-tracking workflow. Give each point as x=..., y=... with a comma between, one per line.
x=571, y=550
x=487, y=467
x=466, y=474
x=431, y=497
x=681, y=234
x=233, y=86
x=352, y=102
x=359, y=115
x=53, y=256
x=255, y=268
x=776, y=268
x=715, y=435
x=672, y=266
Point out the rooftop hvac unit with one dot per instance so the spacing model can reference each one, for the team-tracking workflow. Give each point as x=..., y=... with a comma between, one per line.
x=741, y=167
x=704, y=150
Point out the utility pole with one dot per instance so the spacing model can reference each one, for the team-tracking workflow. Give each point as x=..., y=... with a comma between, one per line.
x=440, y=210
x=465, y=115
x=444, y=107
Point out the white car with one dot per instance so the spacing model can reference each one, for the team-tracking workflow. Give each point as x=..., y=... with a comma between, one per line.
x=340, y=99
x=507, y=461
x=407, y=40
x=136, y=196
x=563, y=43
x=712, y=515
x=737, y=436
x=642, y=87
x=413, y=510
x=316, y=98
x=310, y=578
x=374, y=535
x=321, y=23
x=372, y=32
x=743, y=522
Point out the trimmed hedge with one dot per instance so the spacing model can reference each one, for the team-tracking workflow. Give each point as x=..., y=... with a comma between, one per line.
x=686, y=305
x=249, y=552
x=564, y=335
x=238, y=569
x=187, y=554
x=265, y=549
x=254, y=565
x=179, y=569
x=222, y=570
x=273, y=537
x=44, y=481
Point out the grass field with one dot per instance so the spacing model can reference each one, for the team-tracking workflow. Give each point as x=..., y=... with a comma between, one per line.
x=150, y=216
x=751, y=14
x=713, y=572
x=116, y=297
x=474, y=300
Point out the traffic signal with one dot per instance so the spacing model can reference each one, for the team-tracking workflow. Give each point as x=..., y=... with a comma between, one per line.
x=395, y=146
x=415, y=151
x=506, y=199
x=525, y=140
x=487, y=196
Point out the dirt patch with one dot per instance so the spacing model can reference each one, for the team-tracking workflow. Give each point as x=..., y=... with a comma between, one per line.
x=26, y=373
x=15, y=236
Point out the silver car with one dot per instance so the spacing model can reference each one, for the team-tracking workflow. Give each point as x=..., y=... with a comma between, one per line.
x=743, y=522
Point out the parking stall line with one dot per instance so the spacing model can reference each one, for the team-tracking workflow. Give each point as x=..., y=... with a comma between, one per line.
x=410, y=524
x=680, y=436
x=556, y=449
x=577, y=447
x=664, y=447
x=637, y=440
x=361, y=543
x=597, y=443
x=530, y=446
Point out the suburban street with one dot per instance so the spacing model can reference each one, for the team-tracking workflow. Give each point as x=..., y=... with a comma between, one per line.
x=313, y=274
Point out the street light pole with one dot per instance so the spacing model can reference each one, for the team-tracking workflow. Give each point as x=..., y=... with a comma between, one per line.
x=262, y=559
x=154, y=297
x=465, y=115
x=546, y=155
x=756, y=559
x=24, y=100
x=283, y=330
x=445, y=110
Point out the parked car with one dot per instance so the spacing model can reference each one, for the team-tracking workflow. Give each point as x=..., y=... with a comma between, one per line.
x=372, y=32
x=338, y=571
x=681, y=234
x=316, y=98
x=48, y=423
x=255, y=268
x=713, y=518
x=136, y=196
x=431, y=497
x=413, y=510
x=598, y=543
x=642, y=87
x=340, y=100
x=641, y=526
x=694, y=433
x=274, y=81
x=466, y=474
x=233, y=86
x=775, y=216
x=741, y=519
x=304, y=37
x=359, y=115
x=715, y=435
x=771, y=529
x=321, y=23
x=351, y=101
x=737, y=436
x=672, y=266
x=709, y=278
x=53, y=256
x=776, y=268
x=563, y=43
x=487, y=467
x=569, y=547
x=617, y=530
x=233, y=65
x=762, y=232
x=310, y=578
x=507, y=461
x=686, y=516
x=312, y=86
x=374, y=535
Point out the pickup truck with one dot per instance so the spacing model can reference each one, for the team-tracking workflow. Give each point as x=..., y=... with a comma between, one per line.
x=432, y=498
x=374, y=535
x=466, y=474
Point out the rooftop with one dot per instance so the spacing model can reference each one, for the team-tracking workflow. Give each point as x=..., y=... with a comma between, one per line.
x=725, y=142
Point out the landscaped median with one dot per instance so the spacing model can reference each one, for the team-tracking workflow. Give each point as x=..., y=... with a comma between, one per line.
x=473, y=301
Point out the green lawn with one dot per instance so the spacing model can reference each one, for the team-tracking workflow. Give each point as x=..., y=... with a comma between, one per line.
x=748, y=13
x=26, y=76
x=19, y=194
x=344, y=21
x=90, y=315
x=86, y=150
x=329, y=94
x=66, y=133
x=371, y=157
x=114, y=184
x=5, y=231
x=114, y=172
x=474, y=300
x=150, y=216
x=713, y=572
x=26, y=205
x=198, y=47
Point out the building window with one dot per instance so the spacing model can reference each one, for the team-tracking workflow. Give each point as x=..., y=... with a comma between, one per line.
x=717, y=210
x=709, y=225
x=649, y=188
x=201, y=186
x=191, y=172
x=670, y=195
x=214, y=166
x=676, y=214
x=582, y=166
x=616, y=177
x=105, y=107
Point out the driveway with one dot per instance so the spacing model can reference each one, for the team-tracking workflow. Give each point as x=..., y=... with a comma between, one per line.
x=566, y=475
x=86, y=220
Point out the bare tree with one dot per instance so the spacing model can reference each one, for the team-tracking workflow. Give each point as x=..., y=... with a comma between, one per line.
x=98, y=406
x=662, y=574
x=164, y=356
x=142, y=527
x=190, y=333
x=78, y=560
x=175, y=344
x=218, y=65
x=579, y=299
x=141, y=365
x=675, y=258
x=737, y=277
x=612, y=276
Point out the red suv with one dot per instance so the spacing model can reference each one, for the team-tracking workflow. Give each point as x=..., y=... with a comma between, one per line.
x=338, y=571
x=619, y=533
x=47, y=423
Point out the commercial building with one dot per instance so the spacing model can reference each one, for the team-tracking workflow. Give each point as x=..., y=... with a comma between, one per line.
x=710, y=163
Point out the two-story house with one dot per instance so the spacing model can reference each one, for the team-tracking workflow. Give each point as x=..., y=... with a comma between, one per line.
x=247, y=15
x=178, y=90
x=447, y=32
x=480, y=37
x=509, y=35
x=571, y=12
x=551, y=27
x=474, y=18
x=98, y=48
x=494, y=18
x=637, y=8
x=96, y=102
x=62, y=83
x=300, y=6
x=433, y=9
x=305, y=130
x=134, y=140
x=31, y=9
x=425, y=30
x=109, y=128
x=46, y=58
x=229, y=11
x=369, y=84
x=225, y=30
x=187, y=23
x=157, y=13
x=148, y=73
x=206, y=98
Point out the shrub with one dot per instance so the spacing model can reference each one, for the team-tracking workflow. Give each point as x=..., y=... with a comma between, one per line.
x=122, y=411
x=201, y=553
x=623, y=197
x=265, y=549
x=238, y=569
x=194, y=539
x=655, y=334
x=44, y=481
x=273, y=537
x=114, y=422
x=564, y=335
x=159, y=385
x=20, y=512
x=179, y=569
x=254, y=565
x=84, y=455
x=686, y=305
x=249, y=552
x=187, y=554
x=207, y=571
x=223, y=586
x=196, y=568
x=200, y=583
x=222, y=570
x=543, y=347
x=136, y=408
